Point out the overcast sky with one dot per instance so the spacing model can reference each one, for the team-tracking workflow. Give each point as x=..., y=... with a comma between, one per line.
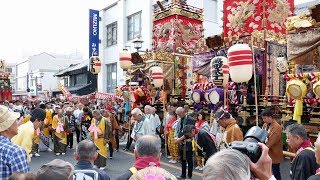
x=33, y=26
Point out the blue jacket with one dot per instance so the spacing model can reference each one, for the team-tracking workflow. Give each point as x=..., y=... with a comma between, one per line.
x=86, y=165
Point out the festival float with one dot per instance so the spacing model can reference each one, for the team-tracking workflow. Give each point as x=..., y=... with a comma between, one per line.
x=5, y=85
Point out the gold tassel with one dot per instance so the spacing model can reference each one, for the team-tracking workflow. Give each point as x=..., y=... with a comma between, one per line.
x=298, y=111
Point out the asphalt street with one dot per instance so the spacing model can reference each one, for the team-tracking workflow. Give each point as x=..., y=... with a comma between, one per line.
x=123, y=160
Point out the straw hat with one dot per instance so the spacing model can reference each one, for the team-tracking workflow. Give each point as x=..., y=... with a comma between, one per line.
x=7, y=118
x=56, y=169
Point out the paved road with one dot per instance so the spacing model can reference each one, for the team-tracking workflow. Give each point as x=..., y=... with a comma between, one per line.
x=123, y=160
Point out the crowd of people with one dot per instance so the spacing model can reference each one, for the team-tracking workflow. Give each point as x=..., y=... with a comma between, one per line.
x=26, y=129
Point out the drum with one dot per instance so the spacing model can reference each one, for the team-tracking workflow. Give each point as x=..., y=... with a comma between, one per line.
x=316, y=89
x=214, y=95
x=197, y=96
x=296, y=89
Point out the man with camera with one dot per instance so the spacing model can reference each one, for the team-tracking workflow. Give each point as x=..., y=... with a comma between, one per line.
x=304, y=164
x=232, y=130
x=274, y=141
x=204, y=140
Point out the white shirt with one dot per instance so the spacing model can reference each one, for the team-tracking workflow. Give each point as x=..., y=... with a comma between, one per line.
x=141, y=128
x=78, y=115
x=155, y=122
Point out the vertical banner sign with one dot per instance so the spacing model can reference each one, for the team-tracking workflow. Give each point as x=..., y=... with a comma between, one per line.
x=93, y=33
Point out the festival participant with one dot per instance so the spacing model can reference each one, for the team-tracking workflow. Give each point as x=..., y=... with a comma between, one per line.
x=85, y=123
x=113, y=143
x=98, y=134
x=142, y=125
x=201, y=123
x=27, y=132
x=71, y=126
x=155, y=120
x=109, y=118
x=232, y=130
x=317, y=154
x=59, y=124
x=185, y=145
x=13, y=158
x=304, y=164
x=44, y=136
x=204, y=140
x=78, y=118
x=172, y=145
x=274, y=141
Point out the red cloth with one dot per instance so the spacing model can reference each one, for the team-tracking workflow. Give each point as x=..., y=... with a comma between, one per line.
x=109, y=108
x=143, y=162
x=199, y=123
x=304, y=145
x=276, y=16
x=169, y=124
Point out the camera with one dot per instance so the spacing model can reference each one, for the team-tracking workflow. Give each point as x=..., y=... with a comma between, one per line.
x=249, y=146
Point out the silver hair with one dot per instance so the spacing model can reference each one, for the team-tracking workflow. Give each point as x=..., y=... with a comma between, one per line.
x=136, y=111
x=297, y=130
x=180, y=109
x=86, y=150
x=97, y=112
x=228, y=164
x=147, y=146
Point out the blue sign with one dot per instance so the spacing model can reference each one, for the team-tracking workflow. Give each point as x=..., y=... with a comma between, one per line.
x=93, y=33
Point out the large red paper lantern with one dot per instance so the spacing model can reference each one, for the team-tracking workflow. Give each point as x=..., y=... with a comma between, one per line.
x=240, y=63
x=125, y=59
x=156, y=74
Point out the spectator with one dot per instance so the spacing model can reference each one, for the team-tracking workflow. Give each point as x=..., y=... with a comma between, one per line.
x=22, y=176
x=56, y=169
x=27, y=136
x=204, y=140
x=85, y=155
x=232, y=130
x=185, y=145
x=151, y=173
x=147, y=153
x=317, y=153
x=12, y=157
x=304, y=164
x=78, y=118
x=71, y=120
x=237, y=166
x=274, y=141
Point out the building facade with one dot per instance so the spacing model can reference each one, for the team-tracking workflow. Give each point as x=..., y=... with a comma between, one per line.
x=125, y=20
x=35, y=75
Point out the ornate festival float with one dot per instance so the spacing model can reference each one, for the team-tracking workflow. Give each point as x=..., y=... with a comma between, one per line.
x=5, y=85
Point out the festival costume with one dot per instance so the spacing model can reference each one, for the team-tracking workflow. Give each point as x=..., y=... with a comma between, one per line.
x=112, y=140
x=45, y=132
x=60, y=136
x=36, y=136
x=172, y=145
x=304, y=164
x=200, y=124
x=141, y=128
x=97, y=133
x=24, y=138
x=85, y=124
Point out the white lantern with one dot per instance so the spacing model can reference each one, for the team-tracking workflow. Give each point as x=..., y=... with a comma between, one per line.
x=218, y=66
x=282, y=64
x=156, y=75
x=240, y=63
x=125, y=60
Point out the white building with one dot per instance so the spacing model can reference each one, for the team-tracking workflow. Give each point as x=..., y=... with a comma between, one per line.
x=124, y=20
x=38, y=71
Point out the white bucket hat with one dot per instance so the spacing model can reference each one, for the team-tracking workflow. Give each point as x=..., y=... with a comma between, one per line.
x=7, y=118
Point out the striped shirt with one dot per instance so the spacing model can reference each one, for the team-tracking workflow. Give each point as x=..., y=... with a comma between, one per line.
x=12, y=158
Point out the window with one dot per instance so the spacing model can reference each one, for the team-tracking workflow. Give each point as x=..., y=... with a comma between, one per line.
x=112, y=34
x=134, y=26
x=9, y=70
x=80, y=79
x=111, y=77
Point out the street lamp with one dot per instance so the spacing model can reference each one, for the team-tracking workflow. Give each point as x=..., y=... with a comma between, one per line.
x=137, y=44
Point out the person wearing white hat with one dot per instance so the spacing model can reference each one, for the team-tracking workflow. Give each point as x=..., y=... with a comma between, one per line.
x=13, y=158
